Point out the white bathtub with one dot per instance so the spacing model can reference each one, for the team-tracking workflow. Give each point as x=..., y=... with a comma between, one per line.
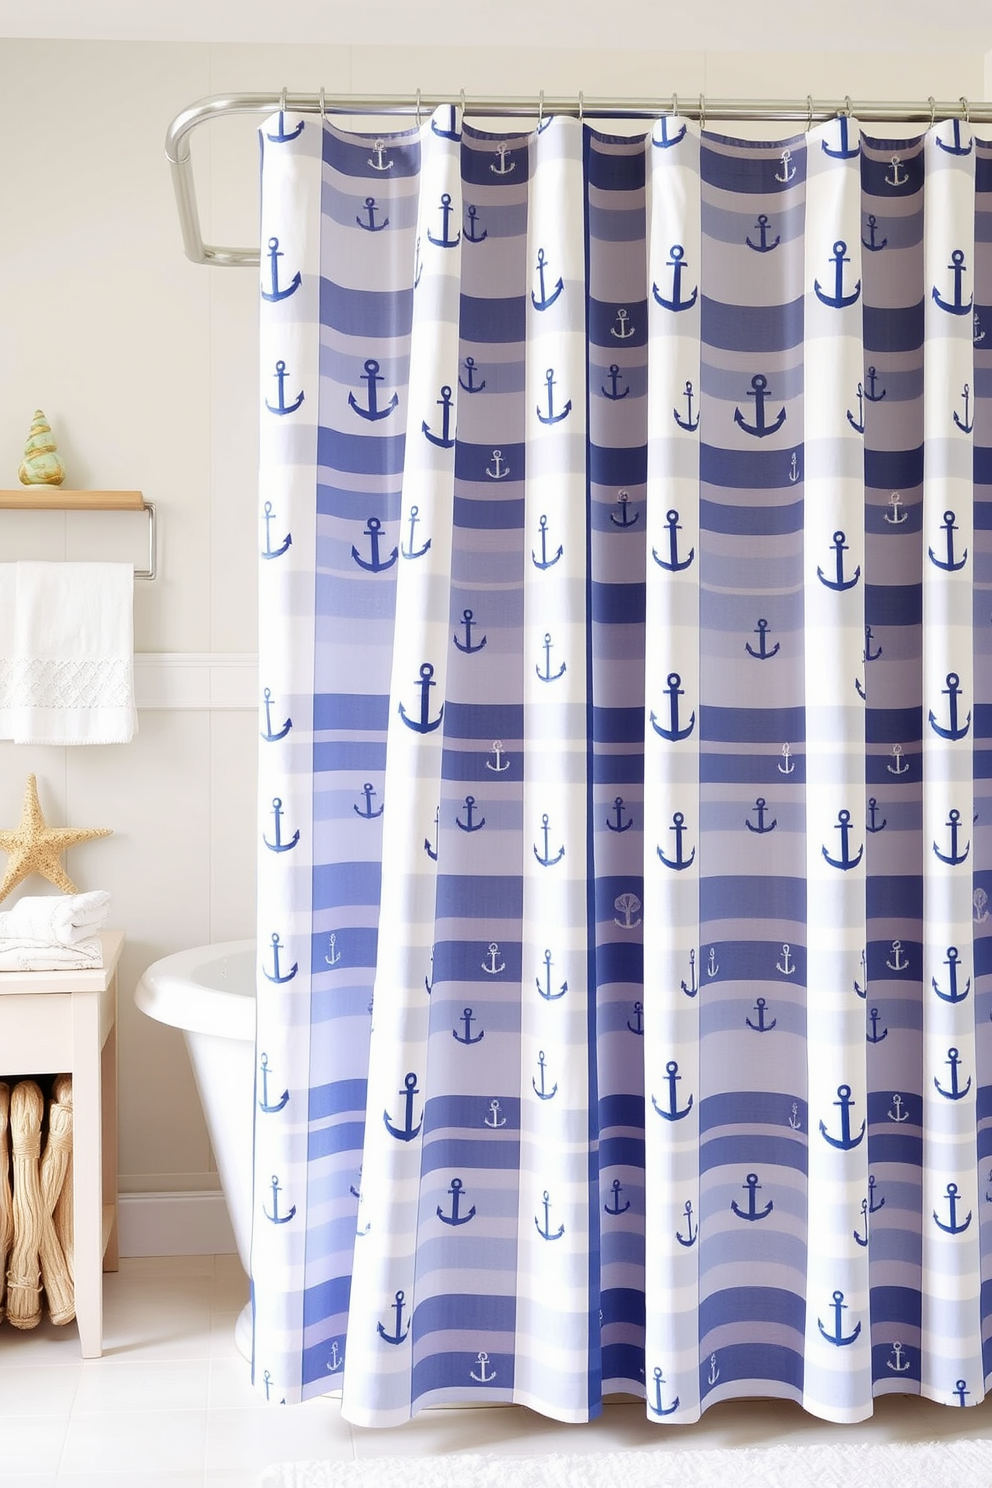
x=209, y=992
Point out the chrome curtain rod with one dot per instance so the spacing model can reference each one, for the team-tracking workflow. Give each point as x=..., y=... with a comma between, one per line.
x=807, y=111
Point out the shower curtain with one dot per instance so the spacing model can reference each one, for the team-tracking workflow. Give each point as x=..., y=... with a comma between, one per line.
x=624, y=941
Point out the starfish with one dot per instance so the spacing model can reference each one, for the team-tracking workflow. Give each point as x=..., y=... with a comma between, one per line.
x=35, y=847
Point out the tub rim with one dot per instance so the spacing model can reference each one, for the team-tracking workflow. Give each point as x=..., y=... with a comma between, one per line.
x=169, y=992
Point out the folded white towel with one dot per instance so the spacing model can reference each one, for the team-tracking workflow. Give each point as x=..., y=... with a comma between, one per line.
x=72, y=680
x=55, y=919
x=31, y=955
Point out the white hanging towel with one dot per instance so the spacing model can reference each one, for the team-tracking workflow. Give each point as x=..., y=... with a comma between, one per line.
x=72, y=680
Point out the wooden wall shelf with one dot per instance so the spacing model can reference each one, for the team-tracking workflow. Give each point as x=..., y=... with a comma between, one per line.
x=59, y=499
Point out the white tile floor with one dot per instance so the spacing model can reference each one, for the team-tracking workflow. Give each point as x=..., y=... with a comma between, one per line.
x=169, y=1405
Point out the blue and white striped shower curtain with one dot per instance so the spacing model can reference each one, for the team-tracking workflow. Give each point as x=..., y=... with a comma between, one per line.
x=625, y=970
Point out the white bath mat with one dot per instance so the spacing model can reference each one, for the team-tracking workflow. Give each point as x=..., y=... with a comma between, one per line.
x=946, y=1464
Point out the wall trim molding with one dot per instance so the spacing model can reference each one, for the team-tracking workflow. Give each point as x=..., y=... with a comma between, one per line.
x=196, y=679
x=173, y=1224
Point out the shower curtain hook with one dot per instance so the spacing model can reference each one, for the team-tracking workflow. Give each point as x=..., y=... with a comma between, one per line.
x=967, y=111
x=461, y=94
x=323, y=110
x=418, y=109
x=933, y=110
x=809, y=107
x=540, y=110
x=282, y=101
x=848, y=106
x=581, y=105
x=702, y=112
x=675, y=104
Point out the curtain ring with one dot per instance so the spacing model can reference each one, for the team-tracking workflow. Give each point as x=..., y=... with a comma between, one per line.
x=540, y=109
x=675, y=104
x=809, y=107
x=282, y=101
x=967, y=111
x=323, y=110
x=702, y=112
x=418, y=109
x=933, y=110
x=581, y=105
x=848, y=106
x=461, y=95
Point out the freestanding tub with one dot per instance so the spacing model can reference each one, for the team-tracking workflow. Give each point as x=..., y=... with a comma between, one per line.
x=209, y=992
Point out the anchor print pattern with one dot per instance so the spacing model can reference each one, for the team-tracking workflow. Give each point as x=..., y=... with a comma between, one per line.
x=562, y=667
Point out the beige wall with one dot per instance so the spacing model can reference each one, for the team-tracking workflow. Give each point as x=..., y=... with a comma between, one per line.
x=145, y=365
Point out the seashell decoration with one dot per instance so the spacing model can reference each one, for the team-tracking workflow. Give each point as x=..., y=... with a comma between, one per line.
x=41, y=465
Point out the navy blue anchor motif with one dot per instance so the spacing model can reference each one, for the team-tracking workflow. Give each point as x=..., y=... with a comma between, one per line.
x=468, y=1037
x=547, y=861
x=264, y=1104
x=845, y=861
x=957, y=148
x=275, y=1217
x=624, y=520
x=762, y=226
x=752, y=1212
x=679, y=863
x=451, y=133
x=614, y=375
x=688, y=423
x=838, y=300
x=954, y=995
x=638, y=1024
x=858, y=424
x=690, y=1240
x=372, y=412
x=952, y=692
x=954, y=825
x=839, y=582
x=869, y=242
x=444, y=241
x=471, y=236
x=279, y=846
x=269, y=551
x=872, y=825
x=471, y=386
x=272, y=735
x=547, y=675
x=471, y=825
x=275, y=292
x=444, y=440
x=399, y=1334
x=952, y=1228
x=759, y=392
x=543, y=1093
x=455, y=1217
x=282, y=407
x=664, y=140
x=761, y=1026
x=283, y=137
x=547, y=1233
x=762, y=653
x=838, y=1336
x=677, y=264
x=425, y=724
x=845, y=152
x=674, y=1112
x=619, y=825
x=961, y=1386
x=673, y=563
x=546, y=991
x=657, y=1409
x=411, y=551
x=871, y=377
x=760, y=806
x=372, y=226
x=956, y=1092
x=375, y=562
x=616, y=1208
x=691, y=987
x=275, y=975
x=546, y=300
x=874, y=1037
x=544, y=561
x=949, y=564
x=368, y=791
x=673, y=732
x=407, y=1131
x=845, y=1141
x=551, y=417
x=967, y=423
x=957, y=306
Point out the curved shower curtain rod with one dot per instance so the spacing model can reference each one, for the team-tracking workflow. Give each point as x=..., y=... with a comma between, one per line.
x=805, y=111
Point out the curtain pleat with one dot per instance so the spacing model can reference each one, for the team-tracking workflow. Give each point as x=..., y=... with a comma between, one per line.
x=623, y=1016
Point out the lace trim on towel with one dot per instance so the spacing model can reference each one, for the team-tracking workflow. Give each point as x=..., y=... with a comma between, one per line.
x=43, y=682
